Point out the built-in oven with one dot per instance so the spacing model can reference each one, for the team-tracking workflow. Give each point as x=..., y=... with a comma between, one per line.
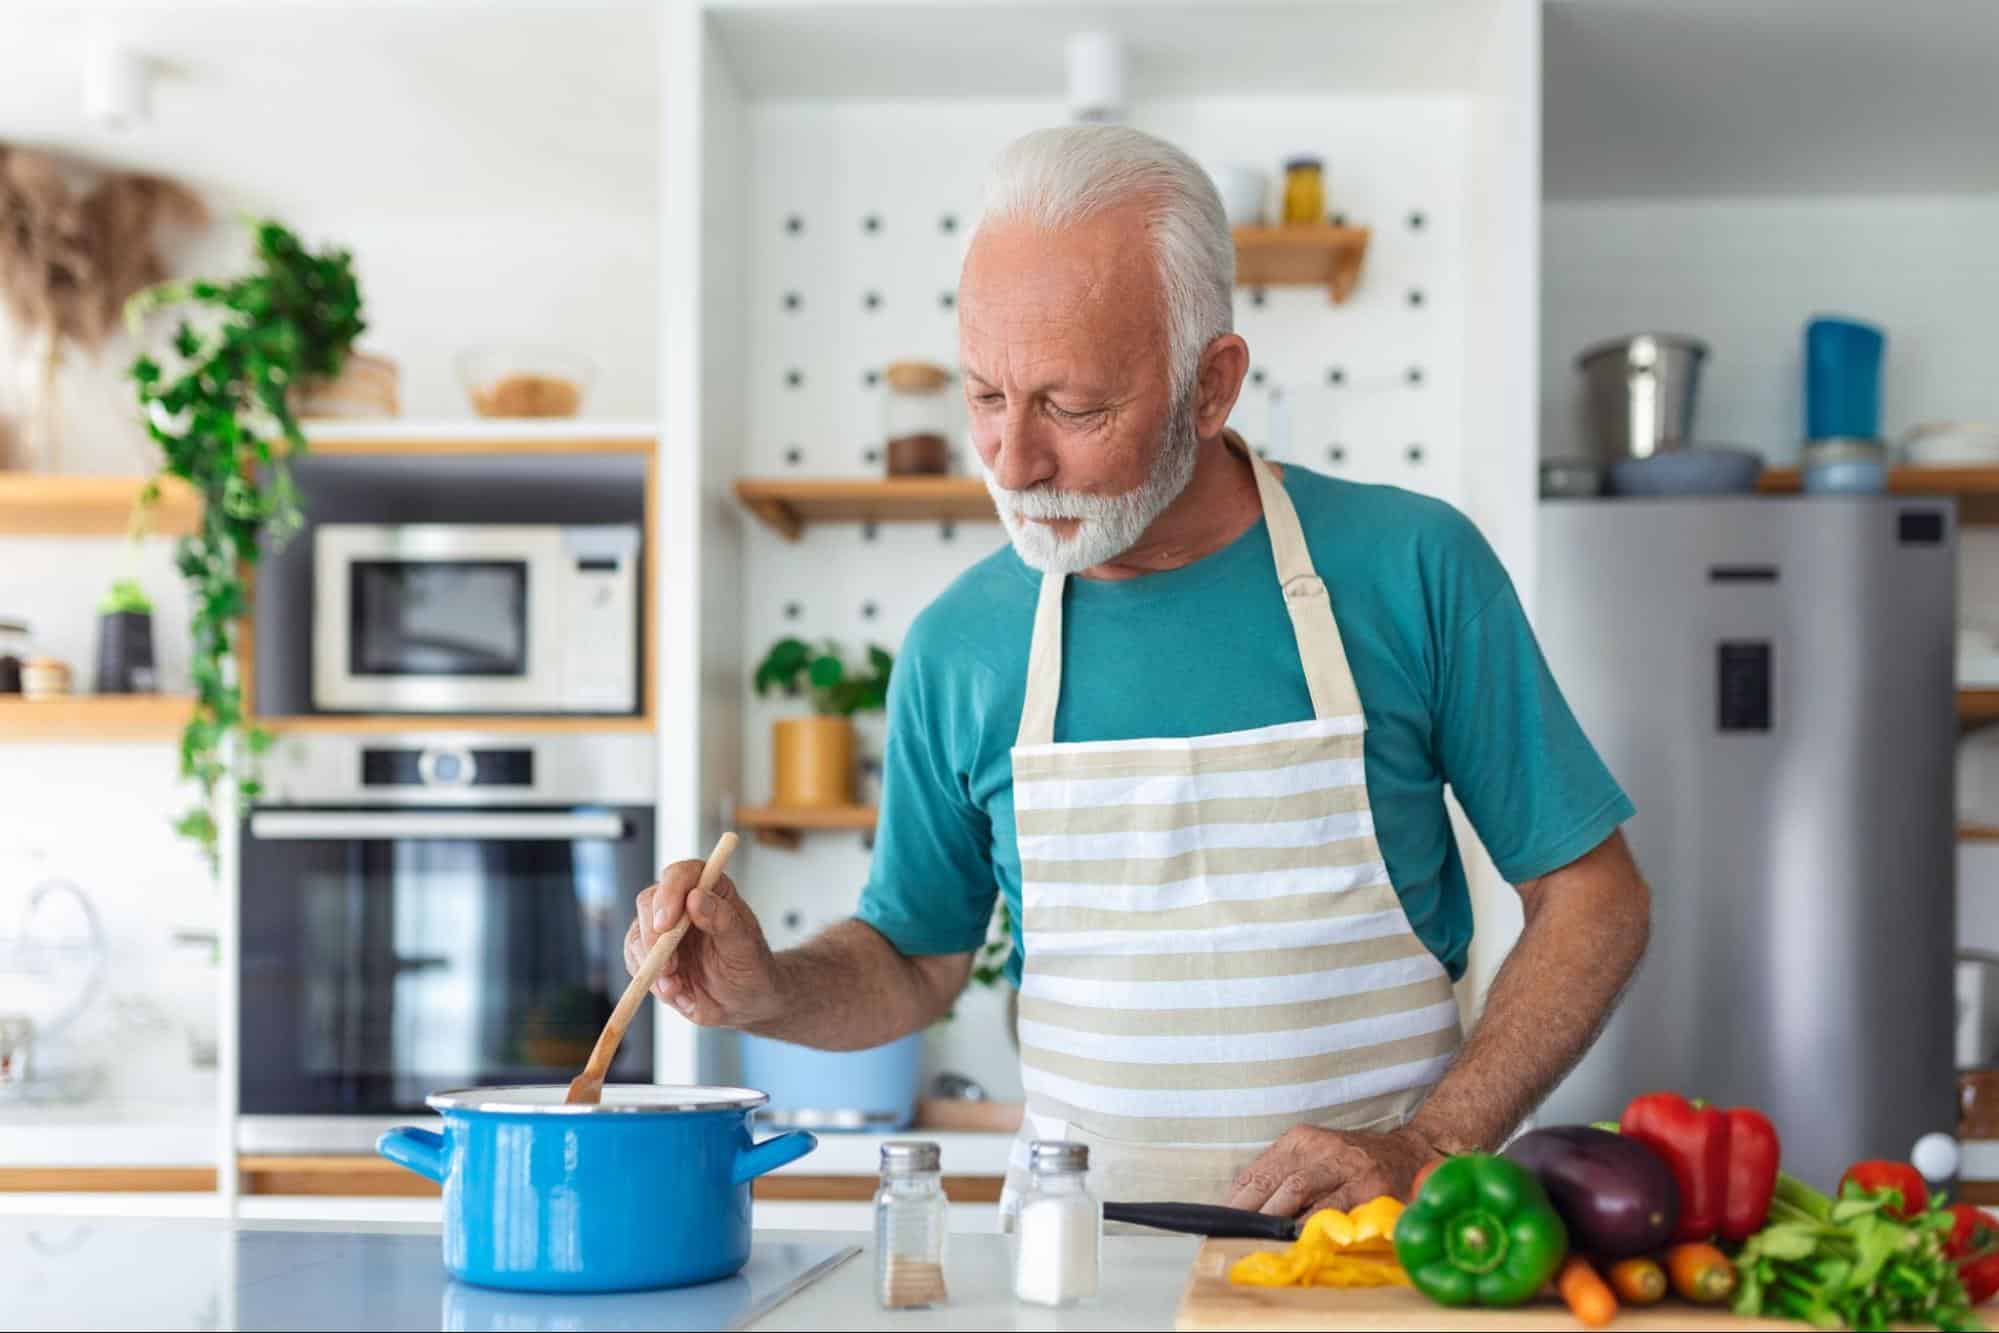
x=431, y=912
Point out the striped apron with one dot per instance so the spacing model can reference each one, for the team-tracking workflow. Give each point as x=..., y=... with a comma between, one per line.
x=1213, y=950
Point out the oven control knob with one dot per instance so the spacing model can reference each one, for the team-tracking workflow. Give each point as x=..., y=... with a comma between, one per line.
x=445, y=768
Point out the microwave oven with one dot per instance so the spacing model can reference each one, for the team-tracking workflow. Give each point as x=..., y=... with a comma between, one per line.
x=475, y=618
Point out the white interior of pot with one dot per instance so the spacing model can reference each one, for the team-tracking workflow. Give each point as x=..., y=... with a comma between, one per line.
x=549, y=1097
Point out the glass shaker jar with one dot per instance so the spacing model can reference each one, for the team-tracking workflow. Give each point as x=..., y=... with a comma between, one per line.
x=918, y=419
x=1304, y=190
x=15, y=649
x=910, y=1223
x=1058, y=1228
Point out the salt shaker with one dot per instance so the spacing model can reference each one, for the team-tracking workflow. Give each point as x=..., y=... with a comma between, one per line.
x=910, y=1223
x=1059, y=1227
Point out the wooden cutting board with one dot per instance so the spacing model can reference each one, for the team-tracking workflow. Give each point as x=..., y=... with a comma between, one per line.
x=1211, y=1301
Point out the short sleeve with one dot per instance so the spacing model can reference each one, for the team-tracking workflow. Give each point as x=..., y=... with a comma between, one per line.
x=930, y=885
x=1528, y=778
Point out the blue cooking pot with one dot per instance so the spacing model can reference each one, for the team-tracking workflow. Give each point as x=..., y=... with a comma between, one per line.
x=651, y=1188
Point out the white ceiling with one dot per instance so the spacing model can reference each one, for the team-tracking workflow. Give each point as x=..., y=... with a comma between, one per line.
x=1178, y=48
x=1770, y=97
x=439, y=109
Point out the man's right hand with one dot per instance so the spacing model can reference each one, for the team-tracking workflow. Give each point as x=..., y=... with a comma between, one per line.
x=722, y=975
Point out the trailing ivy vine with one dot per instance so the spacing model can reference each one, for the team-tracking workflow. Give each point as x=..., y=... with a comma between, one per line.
x=218, y=407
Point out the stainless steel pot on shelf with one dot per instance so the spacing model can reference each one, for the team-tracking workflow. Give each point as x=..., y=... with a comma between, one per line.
x=1641, y=393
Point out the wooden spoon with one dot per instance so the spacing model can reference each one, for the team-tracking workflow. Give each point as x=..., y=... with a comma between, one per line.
x=587, y=1088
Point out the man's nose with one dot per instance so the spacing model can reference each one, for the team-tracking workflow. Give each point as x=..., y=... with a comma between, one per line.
x=1023, y=458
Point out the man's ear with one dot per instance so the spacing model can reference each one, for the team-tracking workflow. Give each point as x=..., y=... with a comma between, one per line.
x=1224, y=366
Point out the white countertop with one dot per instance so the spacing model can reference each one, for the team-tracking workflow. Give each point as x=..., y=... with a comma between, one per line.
x=120, y=1272
x=108, y=1133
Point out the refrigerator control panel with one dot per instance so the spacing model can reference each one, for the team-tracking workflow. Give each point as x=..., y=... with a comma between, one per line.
x=1743, y=676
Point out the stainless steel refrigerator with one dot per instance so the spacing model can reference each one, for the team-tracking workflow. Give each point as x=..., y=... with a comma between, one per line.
x=1772, y=682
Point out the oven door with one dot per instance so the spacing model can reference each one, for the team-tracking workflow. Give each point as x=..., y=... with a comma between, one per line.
x=390, y=954
x=437, y=618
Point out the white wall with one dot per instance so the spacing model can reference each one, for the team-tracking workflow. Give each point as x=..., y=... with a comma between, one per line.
x=1745, y=275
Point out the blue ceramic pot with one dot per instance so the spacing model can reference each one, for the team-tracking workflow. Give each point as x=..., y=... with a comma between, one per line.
x=649, y=1189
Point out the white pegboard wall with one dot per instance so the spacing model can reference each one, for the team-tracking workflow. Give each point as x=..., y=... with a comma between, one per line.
x=859, y=217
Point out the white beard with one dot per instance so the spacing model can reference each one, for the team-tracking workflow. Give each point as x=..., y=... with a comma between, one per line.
x=1107, y=525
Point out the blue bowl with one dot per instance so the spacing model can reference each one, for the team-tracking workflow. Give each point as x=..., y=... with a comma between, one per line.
x=872, y=1090
x=649, y=1189
x=1687, y=472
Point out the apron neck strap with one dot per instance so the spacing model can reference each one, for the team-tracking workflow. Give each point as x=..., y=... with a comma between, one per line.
x=1320, y=651
x=1044, y=666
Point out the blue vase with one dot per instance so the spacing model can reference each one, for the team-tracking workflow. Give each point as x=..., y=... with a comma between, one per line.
x=1842, y=379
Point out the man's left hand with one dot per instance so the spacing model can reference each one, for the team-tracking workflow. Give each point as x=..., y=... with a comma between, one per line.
x=1310, y=1168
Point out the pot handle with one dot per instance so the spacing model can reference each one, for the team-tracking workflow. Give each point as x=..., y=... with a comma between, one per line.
x=771, y=1154
x=421, y=1150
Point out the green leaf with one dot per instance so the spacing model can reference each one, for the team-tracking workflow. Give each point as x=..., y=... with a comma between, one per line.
x=826, y=671
x=1786, y=1241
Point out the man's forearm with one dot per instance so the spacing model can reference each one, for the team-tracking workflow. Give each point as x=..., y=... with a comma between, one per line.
x=848, y=988
x=1586, y=928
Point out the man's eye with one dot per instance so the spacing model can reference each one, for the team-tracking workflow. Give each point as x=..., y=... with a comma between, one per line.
x=989, y=399
x=1066, y=415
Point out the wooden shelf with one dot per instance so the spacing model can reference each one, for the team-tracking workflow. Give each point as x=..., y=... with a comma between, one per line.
x=1976, y=488
x=788, y=505
x=381, y=723
x=786, y=825
x=475, y=435
x=95, y=717
x=37, y=505
x=1978, y=705
x=1301, y=256
x=1978, y=833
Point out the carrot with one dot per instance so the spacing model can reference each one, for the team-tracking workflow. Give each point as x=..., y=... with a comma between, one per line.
x=1700, y=1273
x=1638, y=1281
x=1588, y=1298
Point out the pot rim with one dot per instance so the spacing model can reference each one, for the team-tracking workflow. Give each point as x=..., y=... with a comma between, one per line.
x=507, y=1100
x=1621, y=346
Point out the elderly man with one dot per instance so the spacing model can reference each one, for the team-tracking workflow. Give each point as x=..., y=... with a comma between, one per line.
x=1195, y=723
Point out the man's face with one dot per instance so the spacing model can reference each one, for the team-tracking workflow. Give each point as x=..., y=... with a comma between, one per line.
x=1067, y=373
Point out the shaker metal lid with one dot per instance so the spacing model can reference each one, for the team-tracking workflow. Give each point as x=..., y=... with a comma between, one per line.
x=1057, y=1155
x=901, y=1156
x=619, y=1099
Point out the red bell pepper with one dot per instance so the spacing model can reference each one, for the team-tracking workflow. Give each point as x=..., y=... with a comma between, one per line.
x=1900, y=1177
x=1724, y=1161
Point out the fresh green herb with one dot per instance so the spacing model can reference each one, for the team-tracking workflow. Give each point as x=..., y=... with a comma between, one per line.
x=125, y=595
x=1850, y=1262
x=218, y=408
x=795, y=667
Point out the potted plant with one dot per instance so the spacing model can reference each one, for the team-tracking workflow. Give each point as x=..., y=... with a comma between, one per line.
x=217, y=402
x=813, y=757
x=125, y=641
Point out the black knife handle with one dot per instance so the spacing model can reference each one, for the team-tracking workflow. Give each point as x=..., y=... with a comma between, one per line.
x=1204, y=1219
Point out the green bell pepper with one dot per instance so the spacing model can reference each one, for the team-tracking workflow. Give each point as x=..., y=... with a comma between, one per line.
x=1480, y=1232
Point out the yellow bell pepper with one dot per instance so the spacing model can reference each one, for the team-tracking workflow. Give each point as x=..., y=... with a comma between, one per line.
x=1333, y=1249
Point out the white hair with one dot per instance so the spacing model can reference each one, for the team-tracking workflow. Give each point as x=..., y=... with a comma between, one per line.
x=1057, y=177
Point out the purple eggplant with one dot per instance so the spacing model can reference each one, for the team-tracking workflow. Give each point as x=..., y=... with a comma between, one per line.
x=1616, y=1194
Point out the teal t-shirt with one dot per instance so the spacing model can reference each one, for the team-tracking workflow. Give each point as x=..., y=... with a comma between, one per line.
x=1452, y=683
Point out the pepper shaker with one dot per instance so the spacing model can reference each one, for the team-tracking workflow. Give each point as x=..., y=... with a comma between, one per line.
x=910, y=1224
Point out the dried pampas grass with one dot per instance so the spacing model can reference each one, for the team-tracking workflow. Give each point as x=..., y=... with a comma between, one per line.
x=69, y=260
